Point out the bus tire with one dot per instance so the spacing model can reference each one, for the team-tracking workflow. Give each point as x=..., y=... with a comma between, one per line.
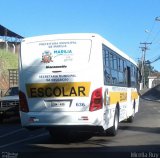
x=114, y=129
x=131, y=118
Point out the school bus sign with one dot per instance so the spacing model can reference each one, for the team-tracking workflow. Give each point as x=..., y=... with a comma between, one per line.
x=53, y=90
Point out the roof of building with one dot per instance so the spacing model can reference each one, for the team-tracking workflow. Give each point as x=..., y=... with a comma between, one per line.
x=6, y=32
x=155, y=74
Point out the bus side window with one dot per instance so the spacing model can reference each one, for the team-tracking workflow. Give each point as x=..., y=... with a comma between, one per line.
x=114, y=67
x=111, y=60
x=128, y=76
x=133, y=76
x=115, y=62
x=125, y=73
x=106, y=67
x=121, y=72
x=139, y=76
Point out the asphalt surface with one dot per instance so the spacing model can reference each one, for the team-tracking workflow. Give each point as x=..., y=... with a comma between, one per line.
x=152, y=94
x=139, y=139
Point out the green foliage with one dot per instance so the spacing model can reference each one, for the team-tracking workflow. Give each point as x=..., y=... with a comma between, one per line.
x=8, y=60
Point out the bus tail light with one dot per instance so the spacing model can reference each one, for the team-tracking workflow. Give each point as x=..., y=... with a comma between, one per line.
x=96, y=100
x=23, y=102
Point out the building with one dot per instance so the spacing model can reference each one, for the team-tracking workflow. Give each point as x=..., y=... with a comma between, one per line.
x=9, y=40
x=153, y=79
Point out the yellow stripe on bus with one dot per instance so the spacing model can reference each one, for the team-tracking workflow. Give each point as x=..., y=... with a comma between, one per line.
x=117, y=97
x=53, y=90
x=134, y=95
x=120, y=97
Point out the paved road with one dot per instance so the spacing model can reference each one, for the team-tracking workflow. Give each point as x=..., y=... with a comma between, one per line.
x=152, y=94
x=139, y=139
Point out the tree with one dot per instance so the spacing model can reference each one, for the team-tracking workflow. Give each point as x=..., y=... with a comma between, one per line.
x=148, y=69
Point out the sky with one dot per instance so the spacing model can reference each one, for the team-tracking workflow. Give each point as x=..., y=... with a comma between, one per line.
x=125, y=23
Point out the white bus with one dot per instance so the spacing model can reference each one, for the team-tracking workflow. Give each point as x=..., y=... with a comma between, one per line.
x=76, y=83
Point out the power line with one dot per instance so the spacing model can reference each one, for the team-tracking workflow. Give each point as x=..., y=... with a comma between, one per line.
x=156, y=59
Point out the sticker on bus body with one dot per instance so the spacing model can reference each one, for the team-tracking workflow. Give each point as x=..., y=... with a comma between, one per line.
x=54, y=90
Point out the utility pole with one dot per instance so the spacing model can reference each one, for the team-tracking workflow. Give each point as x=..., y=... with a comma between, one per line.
x=144, y=49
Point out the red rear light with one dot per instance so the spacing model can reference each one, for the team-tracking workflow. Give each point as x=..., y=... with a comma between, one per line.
x=23, y=102
x=96, y=100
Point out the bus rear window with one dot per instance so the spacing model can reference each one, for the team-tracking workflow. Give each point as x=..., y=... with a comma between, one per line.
x=66, y=54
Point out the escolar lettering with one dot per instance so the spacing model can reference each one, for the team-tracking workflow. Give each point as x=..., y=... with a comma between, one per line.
x=53, y=90
x=57, y=92
x=123, y=96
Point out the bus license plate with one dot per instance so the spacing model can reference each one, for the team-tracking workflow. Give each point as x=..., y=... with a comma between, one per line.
x=60, y=104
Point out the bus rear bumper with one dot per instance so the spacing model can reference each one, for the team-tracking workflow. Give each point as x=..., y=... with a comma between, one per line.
x=81, y=121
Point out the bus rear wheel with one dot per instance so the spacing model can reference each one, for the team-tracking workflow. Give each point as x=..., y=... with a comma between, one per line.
x=131, y=118
x=114, y=129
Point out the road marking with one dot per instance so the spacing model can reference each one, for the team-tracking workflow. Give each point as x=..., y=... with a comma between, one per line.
x=10, y=133
x=23, y=140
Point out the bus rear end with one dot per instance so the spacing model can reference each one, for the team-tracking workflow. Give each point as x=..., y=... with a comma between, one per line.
x=60, y=83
